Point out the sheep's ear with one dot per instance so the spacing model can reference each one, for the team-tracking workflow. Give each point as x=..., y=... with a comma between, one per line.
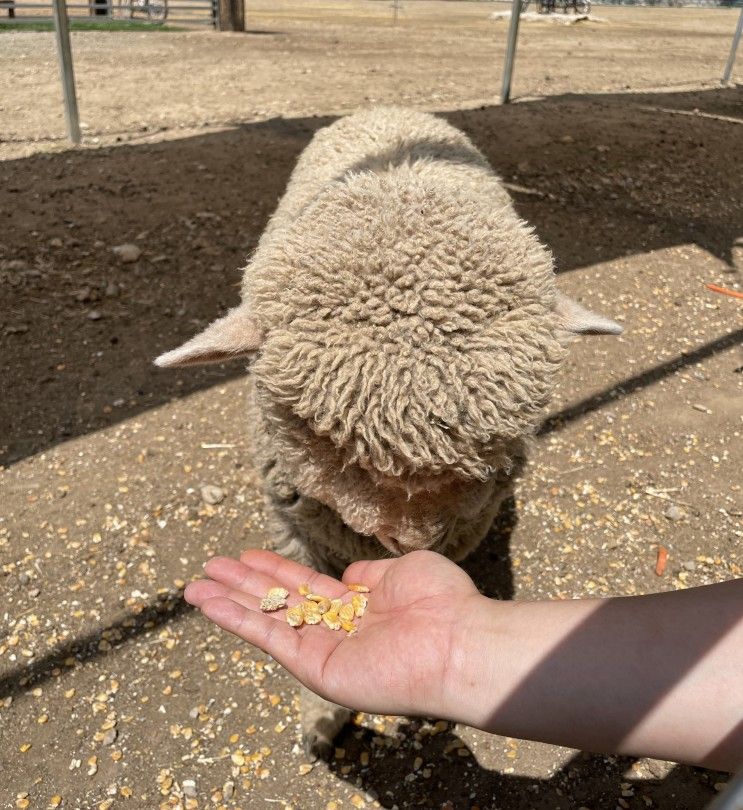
x=233, y=336
x=581, y=321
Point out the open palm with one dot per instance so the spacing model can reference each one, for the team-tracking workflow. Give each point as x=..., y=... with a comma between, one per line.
x=398, y=659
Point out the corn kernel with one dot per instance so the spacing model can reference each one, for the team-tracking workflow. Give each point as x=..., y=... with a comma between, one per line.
x=359, y=602
x=311, y=613
x=275, y=599
x=295, y=616
x=331, y=619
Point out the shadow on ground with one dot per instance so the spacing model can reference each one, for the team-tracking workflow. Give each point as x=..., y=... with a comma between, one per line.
x=444, y=772
x=627, y=173
x=489, y=565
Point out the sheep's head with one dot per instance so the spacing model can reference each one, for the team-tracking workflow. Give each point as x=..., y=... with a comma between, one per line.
x=407, y=342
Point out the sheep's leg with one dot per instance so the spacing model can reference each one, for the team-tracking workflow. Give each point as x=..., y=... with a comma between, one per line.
x=321, y=720
x=321, y=723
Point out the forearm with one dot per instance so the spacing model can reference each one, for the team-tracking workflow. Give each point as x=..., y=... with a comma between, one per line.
x=658, y=675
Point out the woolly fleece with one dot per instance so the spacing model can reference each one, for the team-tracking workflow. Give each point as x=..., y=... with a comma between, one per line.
x=406, y=333
x=409, y=313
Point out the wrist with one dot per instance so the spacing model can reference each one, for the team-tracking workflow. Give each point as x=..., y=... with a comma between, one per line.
x=470, y=684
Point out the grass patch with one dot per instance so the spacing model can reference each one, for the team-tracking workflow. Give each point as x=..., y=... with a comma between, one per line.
x=84, y=25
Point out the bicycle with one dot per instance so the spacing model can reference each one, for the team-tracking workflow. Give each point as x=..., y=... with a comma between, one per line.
x=155, y=11
x=550, y=6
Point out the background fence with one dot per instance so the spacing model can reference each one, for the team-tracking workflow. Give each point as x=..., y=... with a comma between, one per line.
x=155, y=12
x=205, y=12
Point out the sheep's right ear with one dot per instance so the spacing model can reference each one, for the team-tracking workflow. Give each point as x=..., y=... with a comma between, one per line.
x=235, y=335
x=577, y=320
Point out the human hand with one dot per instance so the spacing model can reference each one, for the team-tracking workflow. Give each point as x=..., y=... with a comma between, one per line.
x=407, y=641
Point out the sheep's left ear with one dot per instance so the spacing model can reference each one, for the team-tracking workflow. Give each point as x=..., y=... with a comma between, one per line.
x=235, y=335
x=581, y=321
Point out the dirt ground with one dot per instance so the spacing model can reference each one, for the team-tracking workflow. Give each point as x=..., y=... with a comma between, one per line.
x=306, y=58
x=113, y=693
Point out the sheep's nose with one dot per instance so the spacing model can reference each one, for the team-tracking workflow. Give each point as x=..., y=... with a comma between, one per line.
x=396, y=545
x=391, y=542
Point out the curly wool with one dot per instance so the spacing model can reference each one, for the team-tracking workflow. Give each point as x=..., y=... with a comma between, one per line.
x=324, y=515
x=408, y=312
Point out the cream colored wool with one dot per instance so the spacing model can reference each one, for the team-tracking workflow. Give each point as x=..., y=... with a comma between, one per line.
x=407, y=332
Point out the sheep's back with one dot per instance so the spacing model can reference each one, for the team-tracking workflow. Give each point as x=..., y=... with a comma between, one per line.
x=379, y=140
x=408, y=312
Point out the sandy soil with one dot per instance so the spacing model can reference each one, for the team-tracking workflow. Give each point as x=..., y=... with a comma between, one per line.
x=301, y=59
x=112, y=692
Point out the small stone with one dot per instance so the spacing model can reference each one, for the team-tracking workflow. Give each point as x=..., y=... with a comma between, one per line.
x=56, y=242
x=94, y=315
x=14, y=265
x=189, y=787
x=110, y=736
x=112, y=290
x=228, y=789
x=689, y=565
x=212, y=494
x=128, y=252
x=673, y=512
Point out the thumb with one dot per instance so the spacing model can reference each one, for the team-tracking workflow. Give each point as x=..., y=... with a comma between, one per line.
x=366, y=572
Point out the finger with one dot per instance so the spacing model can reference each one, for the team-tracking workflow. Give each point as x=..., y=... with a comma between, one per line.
x=276, y=638
x=201, y=590
x=198, y=592
x=289, y=573
x=366, y=572
x=237, y=575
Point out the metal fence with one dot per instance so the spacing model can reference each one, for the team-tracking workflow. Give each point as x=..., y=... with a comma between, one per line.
x=204, y=12
x=155, y=12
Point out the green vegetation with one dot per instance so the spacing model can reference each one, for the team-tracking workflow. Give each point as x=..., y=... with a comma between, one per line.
x=85, y=25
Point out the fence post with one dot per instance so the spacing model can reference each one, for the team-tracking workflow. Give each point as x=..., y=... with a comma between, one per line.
x=513, y=35
x=726, y=76
x=230, y=15
x=62, y=31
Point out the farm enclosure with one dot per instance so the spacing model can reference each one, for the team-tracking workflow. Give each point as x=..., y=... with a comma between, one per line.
x=303, y=59
x=638, y=194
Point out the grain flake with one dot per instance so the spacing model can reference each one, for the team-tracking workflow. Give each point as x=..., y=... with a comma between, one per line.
x=275, y=599
x=316, y=608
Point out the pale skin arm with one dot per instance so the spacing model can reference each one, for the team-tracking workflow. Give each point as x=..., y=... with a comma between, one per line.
x=658, y=675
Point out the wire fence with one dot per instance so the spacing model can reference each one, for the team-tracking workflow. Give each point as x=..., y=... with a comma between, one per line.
x=155, y=12
x=204, y=12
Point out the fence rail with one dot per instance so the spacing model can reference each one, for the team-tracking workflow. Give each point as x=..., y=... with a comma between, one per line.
x=190, y=12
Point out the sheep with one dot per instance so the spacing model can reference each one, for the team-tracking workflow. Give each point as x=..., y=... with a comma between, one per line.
x=405, y=332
